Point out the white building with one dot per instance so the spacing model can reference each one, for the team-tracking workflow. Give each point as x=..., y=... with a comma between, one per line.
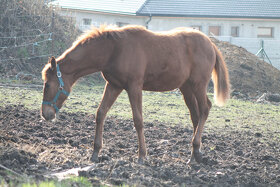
x=88, y=13
x=242, y=22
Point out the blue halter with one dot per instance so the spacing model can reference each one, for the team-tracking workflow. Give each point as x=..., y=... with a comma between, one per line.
x=60, y=91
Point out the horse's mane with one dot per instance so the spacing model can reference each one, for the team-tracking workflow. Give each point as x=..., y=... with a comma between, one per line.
x=107, y=32
x=103, y=32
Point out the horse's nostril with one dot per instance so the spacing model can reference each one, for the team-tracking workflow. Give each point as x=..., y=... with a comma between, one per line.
x=48, y=114
x=51, y=116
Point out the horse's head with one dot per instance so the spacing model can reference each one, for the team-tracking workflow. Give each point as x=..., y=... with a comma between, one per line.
x=56, y=89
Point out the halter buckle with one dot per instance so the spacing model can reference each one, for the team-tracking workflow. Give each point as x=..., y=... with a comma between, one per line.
x=58, y=74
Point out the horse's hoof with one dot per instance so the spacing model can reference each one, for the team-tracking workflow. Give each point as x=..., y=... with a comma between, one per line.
x=191, y=161
x=94, y=158
x=198, y=157
x=141, y=161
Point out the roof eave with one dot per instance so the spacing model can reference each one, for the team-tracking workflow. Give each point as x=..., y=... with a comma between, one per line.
x=98, y=10
x=206, y=16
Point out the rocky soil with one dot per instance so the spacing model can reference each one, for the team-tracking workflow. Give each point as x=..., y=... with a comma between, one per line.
x=232, y=157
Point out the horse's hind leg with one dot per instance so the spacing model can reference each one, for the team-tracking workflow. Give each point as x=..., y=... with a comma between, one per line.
x=135, y=98
x=191, y=102
x=109, y=97
x=204, y=106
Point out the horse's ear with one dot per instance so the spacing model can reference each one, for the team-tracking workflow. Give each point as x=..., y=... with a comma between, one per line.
x=53, y=63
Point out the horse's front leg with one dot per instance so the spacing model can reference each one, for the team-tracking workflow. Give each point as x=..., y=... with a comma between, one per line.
x=109, y=97
x=135, y=98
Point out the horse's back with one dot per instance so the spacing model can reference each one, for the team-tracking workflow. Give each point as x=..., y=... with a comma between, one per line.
x=160, y=61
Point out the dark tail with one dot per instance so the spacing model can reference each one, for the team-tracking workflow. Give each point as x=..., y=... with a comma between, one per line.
x=220, y=78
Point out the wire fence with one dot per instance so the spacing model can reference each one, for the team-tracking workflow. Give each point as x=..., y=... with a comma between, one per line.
x=30, y=32
x=25, y=47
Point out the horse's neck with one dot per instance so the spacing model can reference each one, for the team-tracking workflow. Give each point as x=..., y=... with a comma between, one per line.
x=86, y=59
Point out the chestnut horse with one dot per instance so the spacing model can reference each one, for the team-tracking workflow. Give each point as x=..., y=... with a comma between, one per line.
x=133, y=58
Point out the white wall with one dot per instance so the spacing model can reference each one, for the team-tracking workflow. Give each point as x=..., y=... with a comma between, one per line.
x=247, y=32
x=247, y=28
x=102, y=18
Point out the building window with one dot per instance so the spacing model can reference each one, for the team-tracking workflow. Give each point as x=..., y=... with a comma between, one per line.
x=265, y=32
x=235, y=31
x=214, y=30
x=86, y=21
x=196, y=28
x=121, y=24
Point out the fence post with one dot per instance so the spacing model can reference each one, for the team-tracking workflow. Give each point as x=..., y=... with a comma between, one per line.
x=262, y=52
x=52, y=30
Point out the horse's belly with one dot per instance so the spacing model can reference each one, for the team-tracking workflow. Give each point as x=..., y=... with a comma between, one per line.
x=156, y=88
x=164, y=82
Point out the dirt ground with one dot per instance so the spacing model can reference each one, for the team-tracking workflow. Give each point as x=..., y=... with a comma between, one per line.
x=232, y=157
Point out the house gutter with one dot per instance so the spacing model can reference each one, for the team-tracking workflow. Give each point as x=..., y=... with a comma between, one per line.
x=148, y=21
x=150, y=15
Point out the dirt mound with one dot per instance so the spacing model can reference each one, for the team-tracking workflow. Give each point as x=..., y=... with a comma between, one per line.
x=249, y=75
x=33, y=147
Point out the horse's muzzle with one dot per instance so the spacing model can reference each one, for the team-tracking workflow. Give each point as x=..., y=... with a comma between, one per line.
x=48, y=113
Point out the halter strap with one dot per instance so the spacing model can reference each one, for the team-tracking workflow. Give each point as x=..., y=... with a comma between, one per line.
x=59, y=76
x=61, y=90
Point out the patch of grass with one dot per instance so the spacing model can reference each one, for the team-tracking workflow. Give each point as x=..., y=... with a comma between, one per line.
x=167, y=107
x=80, y=181
x=73, y=181
x=41, y=184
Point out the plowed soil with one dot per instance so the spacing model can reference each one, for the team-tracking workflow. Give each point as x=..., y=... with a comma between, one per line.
x=232, y=157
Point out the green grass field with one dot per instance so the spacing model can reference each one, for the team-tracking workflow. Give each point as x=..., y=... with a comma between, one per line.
x=166, y=107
